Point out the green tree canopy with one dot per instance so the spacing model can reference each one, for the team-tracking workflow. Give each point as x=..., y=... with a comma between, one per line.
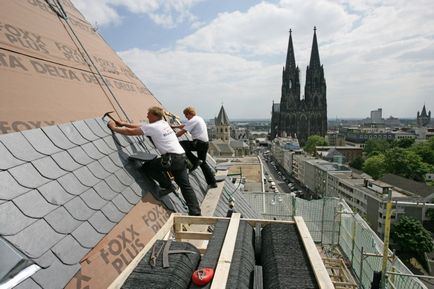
x=379, y=146
x=357, y=163
x=406, y=163
x=404, y=143
x=375, y=166
x=312, y=142
x=425, y=151
x=410, y=236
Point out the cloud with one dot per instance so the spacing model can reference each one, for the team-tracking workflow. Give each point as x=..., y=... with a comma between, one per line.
x=206, y=80
x=166, y=13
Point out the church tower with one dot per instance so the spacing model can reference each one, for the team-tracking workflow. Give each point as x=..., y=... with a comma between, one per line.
x=223, y=125
x=301, y=117
x=423, y=119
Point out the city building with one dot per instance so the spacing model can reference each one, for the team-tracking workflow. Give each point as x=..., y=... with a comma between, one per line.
x=377, y=116
x=297, y=117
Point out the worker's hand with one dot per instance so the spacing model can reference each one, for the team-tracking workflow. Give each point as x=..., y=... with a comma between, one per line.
x=118, y=123
x=111, y=124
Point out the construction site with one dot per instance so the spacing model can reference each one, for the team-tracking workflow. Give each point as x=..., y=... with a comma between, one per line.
x=77, y=211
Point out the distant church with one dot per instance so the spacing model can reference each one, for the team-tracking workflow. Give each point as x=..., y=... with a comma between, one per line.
x=423, y=119
x=301, y=117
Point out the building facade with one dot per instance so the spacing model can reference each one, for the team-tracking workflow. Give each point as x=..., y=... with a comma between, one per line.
x=297, y=117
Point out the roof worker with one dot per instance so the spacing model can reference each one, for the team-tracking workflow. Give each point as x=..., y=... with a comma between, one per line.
x=172, y=155
x=196, y=126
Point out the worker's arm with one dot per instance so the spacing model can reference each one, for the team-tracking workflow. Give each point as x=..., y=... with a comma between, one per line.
x=180, y=132
x=128, y=129
x=126, y=124
x=178, y=126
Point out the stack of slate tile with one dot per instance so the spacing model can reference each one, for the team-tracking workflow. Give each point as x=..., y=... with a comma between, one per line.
x=243, y=259
x=148, y=275
x=284, y=260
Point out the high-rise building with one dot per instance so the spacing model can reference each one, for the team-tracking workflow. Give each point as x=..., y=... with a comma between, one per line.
x=301, y=117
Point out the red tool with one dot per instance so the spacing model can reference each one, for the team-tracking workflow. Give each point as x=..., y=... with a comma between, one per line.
x=202, y=276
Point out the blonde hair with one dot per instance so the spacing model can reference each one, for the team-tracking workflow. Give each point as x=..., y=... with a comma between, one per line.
x=157, y=111
x=189, y=110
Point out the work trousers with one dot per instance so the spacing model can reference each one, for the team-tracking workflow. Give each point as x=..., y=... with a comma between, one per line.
x=178, y=169
x=201, y=147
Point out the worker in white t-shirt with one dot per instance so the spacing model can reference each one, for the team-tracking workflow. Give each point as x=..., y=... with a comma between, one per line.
x=196, y=126
x=172, y=155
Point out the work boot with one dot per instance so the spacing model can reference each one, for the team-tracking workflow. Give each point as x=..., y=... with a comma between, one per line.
x=195, y=165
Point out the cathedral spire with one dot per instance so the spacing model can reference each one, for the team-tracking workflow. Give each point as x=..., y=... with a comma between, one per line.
x=314, y=56
x=290, y=57
x=423, y=111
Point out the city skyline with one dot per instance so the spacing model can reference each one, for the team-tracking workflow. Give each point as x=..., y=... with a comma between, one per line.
x=205, y=54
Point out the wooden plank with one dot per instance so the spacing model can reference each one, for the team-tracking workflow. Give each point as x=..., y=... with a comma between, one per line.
x=193, y=235
x=212, y=197
x=224, y=263
x=196, y=220
x=163, y=233
x=320, y=271
x=263, y=223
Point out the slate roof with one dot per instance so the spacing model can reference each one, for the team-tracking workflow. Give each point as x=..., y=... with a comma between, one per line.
x=222, y=117
x=64, y=187
x=417, y=188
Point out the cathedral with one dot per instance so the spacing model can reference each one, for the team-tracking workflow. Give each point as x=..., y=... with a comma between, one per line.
x=297, y=117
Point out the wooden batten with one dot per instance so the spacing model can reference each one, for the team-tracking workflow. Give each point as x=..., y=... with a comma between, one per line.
x=321, y=275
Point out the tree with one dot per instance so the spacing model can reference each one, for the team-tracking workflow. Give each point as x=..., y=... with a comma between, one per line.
x=375, y=166
x=404, y=143
x=411, y=237
x=372, y=146
x=312, y=142
x=406, y=163
x=357, y=163
x=425, y=151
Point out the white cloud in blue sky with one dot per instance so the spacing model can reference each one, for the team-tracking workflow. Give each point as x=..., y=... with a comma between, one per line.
x=205, y=53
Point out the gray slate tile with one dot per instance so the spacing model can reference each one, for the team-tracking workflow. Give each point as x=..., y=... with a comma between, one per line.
x=115, y=184
x=92, y=151
x=111, y=143
x=48, y=168
x=28, y=284
x=121, y=203
x=65, y=161
x=27, y=176
x=119, y=158
x=69, y=251
x=102, y=146
x=35, y=239
x=78, y=209
x=101, y=223
x=72, y=134
x=84, y=130
x=40, y=141
x=124, y=177
x=57, y=137
x=93, y=200
x=20, y=148
x=12, y=220
x=62, y=221
x=97, y=170
x=86, y=235
x=80, y=156
x=104, y=191
x=85, y=177
x=71, y=184
x=9, y=188
x=108, y=164
x=56, y=276
x=96, y=128
x=130, y=196
x=54, y=193
x=112, y=213
x=135, y=187
x=33, y=205
x=7, y=160
x=46, y=260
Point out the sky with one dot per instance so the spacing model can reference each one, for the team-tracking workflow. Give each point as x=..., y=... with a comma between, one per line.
x=208, y=53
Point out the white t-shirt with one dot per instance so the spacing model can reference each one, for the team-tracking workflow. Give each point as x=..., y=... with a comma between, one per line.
x=163, y=136
x=196, y=126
